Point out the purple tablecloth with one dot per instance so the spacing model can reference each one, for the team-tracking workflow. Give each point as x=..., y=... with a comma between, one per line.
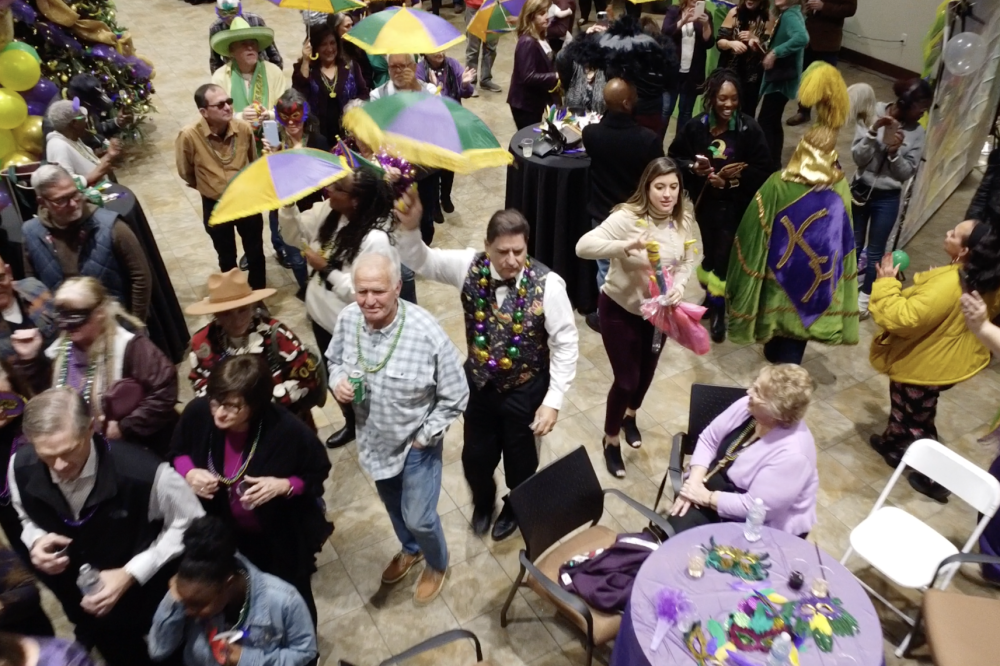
x=714, y=598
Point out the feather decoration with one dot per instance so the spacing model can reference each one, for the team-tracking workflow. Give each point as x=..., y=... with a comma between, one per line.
x=736, y=658
x=823, y=88
x=671, y=605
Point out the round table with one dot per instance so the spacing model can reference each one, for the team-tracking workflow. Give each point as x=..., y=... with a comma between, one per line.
x=552, y=194
x=714, y=597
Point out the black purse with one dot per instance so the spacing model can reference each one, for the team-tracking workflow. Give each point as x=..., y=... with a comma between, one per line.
x=785, y=69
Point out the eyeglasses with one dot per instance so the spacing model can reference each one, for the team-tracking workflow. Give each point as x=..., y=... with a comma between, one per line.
x=65, y=200
x=221, y=105
x=228, y=407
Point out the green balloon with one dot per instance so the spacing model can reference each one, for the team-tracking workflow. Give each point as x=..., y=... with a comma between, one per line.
x=21, y=46
x=900, y=260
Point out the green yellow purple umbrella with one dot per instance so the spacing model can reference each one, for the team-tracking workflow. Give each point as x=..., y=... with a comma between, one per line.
x=429, y=130
x=495, y=17
x=403, y=30
x=327, y=6
x=275, y=180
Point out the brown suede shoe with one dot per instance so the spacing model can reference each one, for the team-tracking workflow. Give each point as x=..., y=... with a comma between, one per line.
x=428, y=586
x=400, y=566
x=798, y=119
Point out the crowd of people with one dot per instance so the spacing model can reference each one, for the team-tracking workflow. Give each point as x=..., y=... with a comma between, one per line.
x=189, y=535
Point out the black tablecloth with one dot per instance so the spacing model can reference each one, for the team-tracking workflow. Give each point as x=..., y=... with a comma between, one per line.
x=551, y=192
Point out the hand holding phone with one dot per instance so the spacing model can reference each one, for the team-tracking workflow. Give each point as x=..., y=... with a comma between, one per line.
x=699, y=9
x=271, y=133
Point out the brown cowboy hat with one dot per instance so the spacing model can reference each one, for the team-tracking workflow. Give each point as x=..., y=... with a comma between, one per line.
x=227, y=291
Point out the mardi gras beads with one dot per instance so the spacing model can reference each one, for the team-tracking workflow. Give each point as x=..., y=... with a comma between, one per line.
x=481, y=340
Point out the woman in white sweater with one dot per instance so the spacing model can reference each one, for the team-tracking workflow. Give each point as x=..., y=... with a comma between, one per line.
x=656, y=211
x=355, y=217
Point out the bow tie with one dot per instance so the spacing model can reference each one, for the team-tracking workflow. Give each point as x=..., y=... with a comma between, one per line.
x=504, y=283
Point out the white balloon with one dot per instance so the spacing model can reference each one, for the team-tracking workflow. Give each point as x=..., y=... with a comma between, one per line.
x=964, y=53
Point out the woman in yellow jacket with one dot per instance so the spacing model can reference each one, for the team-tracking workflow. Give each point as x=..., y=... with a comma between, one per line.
x=925, y=346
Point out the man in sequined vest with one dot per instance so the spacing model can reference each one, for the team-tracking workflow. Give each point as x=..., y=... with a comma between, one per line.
x=522, y=343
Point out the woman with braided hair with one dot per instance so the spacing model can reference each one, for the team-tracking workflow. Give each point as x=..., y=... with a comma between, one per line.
x=355, y=217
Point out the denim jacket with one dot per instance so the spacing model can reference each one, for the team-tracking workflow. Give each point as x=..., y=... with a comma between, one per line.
x=279, y=629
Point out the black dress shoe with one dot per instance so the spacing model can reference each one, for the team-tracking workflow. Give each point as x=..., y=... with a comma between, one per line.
x=891, y=454
x=341, y=438
x=717, y=327
x=593, y=321
x=447, y=205
x=925, y=486
x=244, y=264
x=481, y=522
x=438, y=215
x=282, y=258
x=505, y=525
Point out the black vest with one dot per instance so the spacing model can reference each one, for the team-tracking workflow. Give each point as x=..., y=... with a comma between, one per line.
x=118, y=506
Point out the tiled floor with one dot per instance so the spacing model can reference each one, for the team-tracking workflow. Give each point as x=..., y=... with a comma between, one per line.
x=365, y=624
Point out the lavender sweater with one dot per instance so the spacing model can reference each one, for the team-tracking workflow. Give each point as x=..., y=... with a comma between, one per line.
x=779, y=469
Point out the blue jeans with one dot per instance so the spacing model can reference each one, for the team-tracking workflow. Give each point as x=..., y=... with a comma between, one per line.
x=292, y=254
x=875, y=220
x=411, y=498
x=685, y=104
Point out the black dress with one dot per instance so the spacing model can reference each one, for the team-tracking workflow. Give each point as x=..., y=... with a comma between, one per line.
x=749, y=65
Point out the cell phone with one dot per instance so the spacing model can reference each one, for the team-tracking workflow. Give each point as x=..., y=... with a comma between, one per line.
x=602, y=18
x=271, y=133
x=699, y=8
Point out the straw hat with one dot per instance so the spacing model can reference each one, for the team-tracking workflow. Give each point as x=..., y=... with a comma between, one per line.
x=239, y=30
x=227, y=291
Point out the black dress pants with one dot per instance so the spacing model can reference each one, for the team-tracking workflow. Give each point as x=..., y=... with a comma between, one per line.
x=772, y=107
x=498, y=424
x=251, y=230
x=429, y=190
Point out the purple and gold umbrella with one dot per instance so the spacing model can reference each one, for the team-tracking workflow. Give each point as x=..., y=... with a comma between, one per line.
x=403, y=30
x=495, y=18
x=276, y=180
x=327, y=6
x=430, y=130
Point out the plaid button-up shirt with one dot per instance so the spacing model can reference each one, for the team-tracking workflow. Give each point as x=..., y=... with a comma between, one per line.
x=413, y=399
x=270, y=53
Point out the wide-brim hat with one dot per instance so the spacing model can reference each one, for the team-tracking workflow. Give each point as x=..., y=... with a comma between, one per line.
x=239, y=30
x=228, y=291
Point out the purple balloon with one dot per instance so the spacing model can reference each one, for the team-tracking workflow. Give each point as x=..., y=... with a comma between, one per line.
x=4, y=196
x=43, y=91
x=37, y=108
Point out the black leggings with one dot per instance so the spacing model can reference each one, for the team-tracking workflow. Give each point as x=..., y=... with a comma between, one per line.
x=524, y=118
x=771, y=109
x=718, y=221
x=600, y=5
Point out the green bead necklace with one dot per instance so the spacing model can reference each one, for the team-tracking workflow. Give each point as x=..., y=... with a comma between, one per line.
x=362, y=361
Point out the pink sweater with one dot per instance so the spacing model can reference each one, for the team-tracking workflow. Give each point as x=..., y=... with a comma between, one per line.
x=779, y=469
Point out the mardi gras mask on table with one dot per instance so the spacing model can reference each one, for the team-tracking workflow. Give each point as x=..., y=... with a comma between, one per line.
x=822, y=618
x=755, y=624
x=11, y=405
x=296, y=112
x=736, y=561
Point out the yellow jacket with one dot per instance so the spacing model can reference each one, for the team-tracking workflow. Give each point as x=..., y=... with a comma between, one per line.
x=924, y=339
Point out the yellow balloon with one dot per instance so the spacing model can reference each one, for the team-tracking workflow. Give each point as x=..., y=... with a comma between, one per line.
x=18, y=70
x=7, y=143
x=13, y=109
x=29, y=136
x=16, y=158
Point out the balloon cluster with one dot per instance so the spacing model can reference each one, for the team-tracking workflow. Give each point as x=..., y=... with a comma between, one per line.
x=24, y=95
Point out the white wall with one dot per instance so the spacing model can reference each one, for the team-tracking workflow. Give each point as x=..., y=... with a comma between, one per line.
x=890, y=19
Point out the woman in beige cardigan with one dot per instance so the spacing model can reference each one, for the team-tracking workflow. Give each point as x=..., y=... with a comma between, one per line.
x=656, y=211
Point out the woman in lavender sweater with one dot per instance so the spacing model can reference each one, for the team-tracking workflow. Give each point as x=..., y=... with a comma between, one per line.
x=759, y=448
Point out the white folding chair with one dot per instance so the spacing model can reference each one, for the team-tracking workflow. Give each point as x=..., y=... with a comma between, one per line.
x=905, y=549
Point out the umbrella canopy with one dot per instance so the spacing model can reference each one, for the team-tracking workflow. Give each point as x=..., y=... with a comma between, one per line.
x=327, y=6
x=403, y=30
x=495, y=18
x=275, y=180
x=429, y=130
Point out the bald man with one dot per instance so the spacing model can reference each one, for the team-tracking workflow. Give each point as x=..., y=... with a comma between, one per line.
x=619, y=150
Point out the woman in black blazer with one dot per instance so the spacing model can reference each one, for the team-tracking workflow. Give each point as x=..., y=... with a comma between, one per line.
x=534, y=83
x=259, y=468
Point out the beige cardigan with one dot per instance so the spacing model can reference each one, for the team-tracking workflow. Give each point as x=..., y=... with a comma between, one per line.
x=627, y=282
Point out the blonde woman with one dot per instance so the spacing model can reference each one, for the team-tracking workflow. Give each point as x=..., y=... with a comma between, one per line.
x=534, y=82
x=130, y=385
x=656, y=211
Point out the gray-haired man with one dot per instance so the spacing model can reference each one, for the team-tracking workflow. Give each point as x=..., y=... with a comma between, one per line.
x=413, y=389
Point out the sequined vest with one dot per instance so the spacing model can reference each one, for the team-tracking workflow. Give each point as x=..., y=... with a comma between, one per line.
x=498, y=326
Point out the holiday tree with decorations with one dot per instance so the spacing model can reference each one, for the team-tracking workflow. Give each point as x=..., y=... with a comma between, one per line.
x=84, y=37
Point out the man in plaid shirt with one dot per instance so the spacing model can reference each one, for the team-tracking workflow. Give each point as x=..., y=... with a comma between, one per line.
x=414, y=388
x=227, y=10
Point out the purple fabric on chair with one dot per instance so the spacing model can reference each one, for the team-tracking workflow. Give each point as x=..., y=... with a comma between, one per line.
x=715, y=597
x=605, y=581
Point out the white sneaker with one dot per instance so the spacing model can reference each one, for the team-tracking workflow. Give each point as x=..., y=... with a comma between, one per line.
x=863, y=299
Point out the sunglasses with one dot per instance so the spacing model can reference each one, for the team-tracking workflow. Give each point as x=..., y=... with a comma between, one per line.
x=72, y=320
x=221, y=105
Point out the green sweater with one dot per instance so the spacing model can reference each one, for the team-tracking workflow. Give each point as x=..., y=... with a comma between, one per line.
x=790, y=38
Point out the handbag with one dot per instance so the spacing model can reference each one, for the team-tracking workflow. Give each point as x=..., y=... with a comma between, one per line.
x=860, y=192
x=786, y=68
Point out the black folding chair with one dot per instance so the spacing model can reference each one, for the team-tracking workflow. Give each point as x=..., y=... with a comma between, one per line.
x=555, y=501
x=433, y=643
x=707, y=402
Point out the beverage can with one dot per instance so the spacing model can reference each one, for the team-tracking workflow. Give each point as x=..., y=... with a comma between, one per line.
x=357, y=380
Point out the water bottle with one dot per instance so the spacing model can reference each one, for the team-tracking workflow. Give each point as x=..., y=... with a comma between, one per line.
x=89, y=580
x=755, y=519
x=781, y=650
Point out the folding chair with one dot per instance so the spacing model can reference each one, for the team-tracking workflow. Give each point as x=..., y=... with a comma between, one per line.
x=905, y=549
x=433, y=643
x=555, y=501
x=707, y=402
x=960, y=628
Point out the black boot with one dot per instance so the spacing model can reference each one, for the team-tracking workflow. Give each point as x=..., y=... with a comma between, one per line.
x=345, y=435
x=506, y=523
x=717, y=326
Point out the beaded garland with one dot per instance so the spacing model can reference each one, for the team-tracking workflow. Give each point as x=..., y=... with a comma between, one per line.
x=487, y=296
x=65, y=354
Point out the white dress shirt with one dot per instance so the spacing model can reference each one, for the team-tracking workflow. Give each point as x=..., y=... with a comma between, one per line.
x=171, y=501
x=452, y=267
